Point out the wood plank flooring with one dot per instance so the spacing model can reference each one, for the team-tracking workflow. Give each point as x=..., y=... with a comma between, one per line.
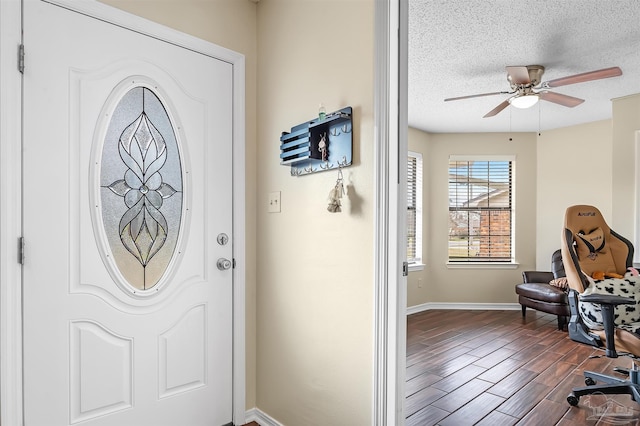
x=496, y=368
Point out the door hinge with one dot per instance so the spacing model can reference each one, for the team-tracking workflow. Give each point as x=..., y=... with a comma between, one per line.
x=405, y=269
x=234, y=263
x=21, y=58
x=21, y=250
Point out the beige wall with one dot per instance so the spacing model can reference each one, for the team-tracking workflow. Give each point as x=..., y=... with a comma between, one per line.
x=626, y=122
x=574, y=167
x=440, y=283
x=231, y=24
x=315, y=268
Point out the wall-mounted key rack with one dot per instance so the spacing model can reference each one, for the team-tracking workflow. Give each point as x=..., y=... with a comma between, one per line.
x=319, y=145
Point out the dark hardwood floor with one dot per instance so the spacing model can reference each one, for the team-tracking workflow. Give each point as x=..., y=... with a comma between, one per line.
x=496, y=368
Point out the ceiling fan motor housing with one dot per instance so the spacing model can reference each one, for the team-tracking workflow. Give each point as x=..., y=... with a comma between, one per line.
x=535, y=77
x=535, y=74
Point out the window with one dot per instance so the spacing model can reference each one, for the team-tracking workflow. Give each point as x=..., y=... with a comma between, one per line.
x=414, y=208
x=480, y=209
x=141, y=188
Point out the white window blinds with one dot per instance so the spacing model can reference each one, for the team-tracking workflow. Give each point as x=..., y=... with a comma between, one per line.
x=414, y=208
x=480, y=210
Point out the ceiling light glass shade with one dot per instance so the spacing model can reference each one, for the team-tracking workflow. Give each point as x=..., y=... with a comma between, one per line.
x=525, y=101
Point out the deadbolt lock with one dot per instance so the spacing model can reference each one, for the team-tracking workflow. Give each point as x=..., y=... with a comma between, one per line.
x=223, y=239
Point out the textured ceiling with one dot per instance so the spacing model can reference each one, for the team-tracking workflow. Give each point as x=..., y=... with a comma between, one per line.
x=459, y=48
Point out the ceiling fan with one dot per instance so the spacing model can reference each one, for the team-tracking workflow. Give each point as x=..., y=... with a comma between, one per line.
x=527, y=89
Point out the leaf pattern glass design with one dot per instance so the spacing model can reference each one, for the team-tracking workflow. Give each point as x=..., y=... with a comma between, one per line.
x=141, y=179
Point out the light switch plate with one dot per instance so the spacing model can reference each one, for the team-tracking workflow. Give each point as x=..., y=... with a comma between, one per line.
x=274, y=202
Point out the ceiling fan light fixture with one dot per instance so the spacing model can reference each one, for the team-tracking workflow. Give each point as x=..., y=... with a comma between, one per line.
x=524, y=101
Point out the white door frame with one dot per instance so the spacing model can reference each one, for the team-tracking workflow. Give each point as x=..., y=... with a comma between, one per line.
x=11, y=404
x=390, y=116
x=10, y=215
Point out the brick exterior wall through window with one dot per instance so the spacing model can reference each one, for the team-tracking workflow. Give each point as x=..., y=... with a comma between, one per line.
x=495, y=234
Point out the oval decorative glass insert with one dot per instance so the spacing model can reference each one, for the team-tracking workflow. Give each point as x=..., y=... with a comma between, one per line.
x=141, y=188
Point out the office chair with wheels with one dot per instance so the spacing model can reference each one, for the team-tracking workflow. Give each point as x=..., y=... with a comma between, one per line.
x=604, y=296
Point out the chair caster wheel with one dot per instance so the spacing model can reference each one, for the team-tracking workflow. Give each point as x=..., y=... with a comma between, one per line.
x=573, y=400
x=589, y=381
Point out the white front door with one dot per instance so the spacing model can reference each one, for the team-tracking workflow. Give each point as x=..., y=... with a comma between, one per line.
x=127, y=188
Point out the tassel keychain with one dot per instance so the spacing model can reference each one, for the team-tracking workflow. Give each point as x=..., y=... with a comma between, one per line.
x=335, y=195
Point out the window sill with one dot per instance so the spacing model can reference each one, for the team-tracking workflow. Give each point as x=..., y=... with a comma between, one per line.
x=416, y=267
x=482, y=265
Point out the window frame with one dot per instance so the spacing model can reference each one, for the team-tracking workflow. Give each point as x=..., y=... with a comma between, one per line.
x=469, y=262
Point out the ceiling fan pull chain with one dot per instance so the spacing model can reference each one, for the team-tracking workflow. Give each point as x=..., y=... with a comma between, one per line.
x=539, y=117
x=510, y=124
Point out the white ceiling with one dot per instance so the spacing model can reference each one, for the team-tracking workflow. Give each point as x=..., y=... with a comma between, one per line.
x=461, y=47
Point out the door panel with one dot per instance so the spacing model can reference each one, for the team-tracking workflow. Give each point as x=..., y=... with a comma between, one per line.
x=98, y=349
x=101, y=380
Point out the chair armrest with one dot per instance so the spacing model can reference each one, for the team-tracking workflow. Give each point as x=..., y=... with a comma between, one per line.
x=608, y=299
x=537, y=276
x=578, y=330
x=607, y=303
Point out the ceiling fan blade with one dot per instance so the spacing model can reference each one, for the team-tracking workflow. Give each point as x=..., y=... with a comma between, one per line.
x=497, y=109
x=519, y=75
x=585, y=76
x=560, y=99
x=476, y=96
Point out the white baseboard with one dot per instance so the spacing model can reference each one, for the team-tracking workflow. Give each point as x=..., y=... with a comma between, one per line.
x=470, y=306
x=260, y=417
